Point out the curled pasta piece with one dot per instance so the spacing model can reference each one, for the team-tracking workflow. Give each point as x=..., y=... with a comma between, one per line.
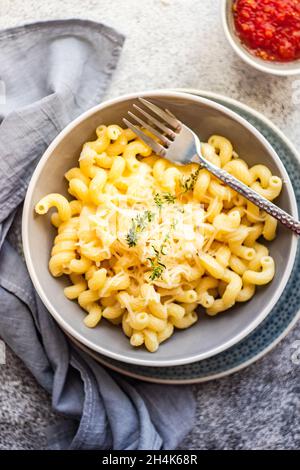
x=261, y=173
x=117, y=168
x=138, y=321
x=264, y=276
x=96, y=186
x=230, y=294
x=97, y=279
x=254, y=233
x=58, y=264
x=205, y=285
x=206, y=300
x=159, y=168
x=104, y=161
x=79, y=286
x=81, y=265
x=272, y=191
x=185, y=322
x=175, y=311
x=260, y=252
x=113, y=311
x=77, y=173
x=237, y=265
x=166, y=333
x=242, y=251
x=64, y=249
x=156, y=324
x=223, y=255
x=246, y=293
x=93, y=251
x=137, y=338
x=149, y=293
x=234, y=286
x=54, y=200
x=170, y=179
x=212, y=266
x=100, y=130
x=238, y=200
x=208, y=152
x=94, y=316
x=157, y=309
x=269, y=228
x=87, y=299
x=101, y=143
x=114, y=131
x=190, y=307
x=126, y=326
x=120, y=281
x=87, y=162
x=130, y=135
x=108, y=301
x=75, y=206
x=118, y=146
x=79, y=189
x=214, y=208
x=223, y=147
x=240, y=170
x=238, y=235
x=220, y=191
x=201, y=185
x=186, y=296
x=133, y=149
x=151, y=340
x=227, y=222
x=253, y=213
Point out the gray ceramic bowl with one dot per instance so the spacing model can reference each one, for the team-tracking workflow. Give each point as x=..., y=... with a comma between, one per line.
x=210, y=335
x=275, y=68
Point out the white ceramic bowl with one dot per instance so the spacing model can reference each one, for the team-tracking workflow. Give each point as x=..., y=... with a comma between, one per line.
x=284, y=69
x=209, y=336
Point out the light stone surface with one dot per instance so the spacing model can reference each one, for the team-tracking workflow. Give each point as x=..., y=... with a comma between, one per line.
x=177, y=43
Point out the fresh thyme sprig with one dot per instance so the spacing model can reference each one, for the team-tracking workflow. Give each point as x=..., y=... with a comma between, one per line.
x=138, y=224
x=169, y=198
x=163, y=245
x=143, y=219
x=188, y=184
x=156, y=265
x=132, y=236
x=160, y=199
x=157, y=269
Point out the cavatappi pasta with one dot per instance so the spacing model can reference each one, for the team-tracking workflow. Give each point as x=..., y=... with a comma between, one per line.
x=146, y=242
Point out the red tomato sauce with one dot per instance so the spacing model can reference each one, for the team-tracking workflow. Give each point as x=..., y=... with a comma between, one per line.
x=269, y=28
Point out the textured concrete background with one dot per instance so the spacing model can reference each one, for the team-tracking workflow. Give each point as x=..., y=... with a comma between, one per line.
x=177, y=43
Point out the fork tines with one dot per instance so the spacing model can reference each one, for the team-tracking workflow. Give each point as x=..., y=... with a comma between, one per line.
x=158, y=128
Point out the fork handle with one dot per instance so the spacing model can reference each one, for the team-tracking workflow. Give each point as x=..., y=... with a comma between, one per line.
x=286, y=219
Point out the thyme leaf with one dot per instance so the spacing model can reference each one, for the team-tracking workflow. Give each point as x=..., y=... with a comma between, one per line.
x=157, y=269
x=138, y=224
x=160, y=199
x=157, y=266
x=188, y=184
x=131, y=237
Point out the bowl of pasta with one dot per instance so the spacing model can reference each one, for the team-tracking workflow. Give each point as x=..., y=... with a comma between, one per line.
x=149, y=262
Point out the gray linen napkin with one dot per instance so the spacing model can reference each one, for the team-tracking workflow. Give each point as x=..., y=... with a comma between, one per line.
x=51, y=72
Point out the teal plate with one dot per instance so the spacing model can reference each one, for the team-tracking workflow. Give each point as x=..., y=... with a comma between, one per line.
x=279, y=321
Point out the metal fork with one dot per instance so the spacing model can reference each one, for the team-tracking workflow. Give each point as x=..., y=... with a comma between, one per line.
x=181, y=145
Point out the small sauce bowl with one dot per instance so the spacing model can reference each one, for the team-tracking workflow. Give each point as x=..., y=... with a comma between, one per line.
x=284, y=69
